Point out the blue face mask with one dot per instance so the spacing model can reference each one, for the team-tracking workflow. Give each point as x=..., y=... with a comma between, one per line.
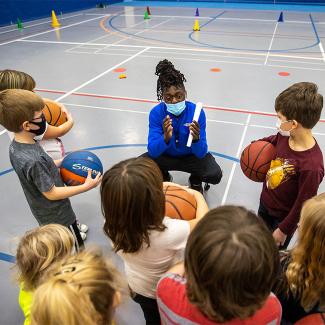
x=176, y=109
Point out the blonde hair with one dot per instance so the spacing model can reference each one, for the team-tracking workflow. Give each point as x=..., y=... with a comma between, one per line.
x=306, y=271
x=79, y=290
x=39, y=249
x=13, y=79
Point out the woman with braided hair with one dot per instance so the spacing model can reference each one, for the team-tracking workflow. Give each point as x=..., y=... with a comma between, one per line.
x=170, y=123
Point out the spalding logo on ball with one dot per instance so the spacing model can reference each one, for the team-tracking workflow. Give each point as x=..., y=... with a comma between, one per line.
x=75, y=166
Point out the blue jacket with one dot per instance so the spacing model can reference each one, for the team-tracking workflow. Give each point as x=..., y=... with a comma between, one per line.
x=176, y=146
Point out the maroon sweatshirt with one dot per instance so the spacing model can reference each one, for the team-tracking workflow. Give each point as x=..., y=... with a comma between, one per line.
x=293, y=178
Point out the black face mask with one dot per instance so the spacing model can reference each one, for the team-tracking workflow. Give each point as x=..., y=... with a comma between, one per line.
x=41, y=125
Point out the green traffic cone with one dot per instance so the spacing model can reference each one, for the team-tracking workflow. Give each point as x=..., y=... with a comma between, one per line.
x=19, y=24
x=146, y=15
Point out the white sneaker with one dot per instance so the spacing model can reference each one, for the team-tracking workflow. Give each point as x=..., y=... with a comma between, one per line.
x=82, y=227
x=83, y=235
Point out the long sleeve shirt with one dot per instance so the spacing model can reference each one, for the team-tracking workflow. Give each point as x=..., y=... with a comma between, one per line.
x=176, y=147
x=293, y=178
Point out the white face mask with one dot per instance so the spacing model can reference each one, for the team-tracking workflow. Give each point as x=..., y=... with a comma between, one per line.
x=278, y=126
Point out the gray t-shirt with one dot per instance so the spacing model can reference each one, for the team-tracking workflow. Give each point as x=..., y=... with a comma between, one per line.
x=37, y=173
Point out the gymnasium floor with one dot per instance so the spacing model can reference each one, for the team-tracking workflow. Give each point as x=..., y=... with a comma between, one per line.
x=236, y=65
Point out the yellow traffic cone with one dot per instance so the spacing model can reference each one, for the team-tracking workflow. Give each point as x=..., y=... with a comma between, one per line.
x=55, y=22
x=196, y=26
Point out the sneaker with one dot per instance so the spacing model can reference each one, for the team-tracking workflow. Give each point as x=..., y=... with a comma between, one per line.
x=197, y=187
x=82, y=227
x=83, y=235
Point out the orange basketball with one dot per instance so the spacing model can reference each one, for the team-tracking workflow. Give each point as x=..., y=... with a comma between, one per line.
x=180, y=204
x=313, y=319
x=53, y=114
x=255, y=160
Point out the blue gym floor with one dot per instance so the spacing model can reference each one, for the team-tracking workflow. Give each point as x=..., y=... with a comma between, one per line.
x=254, y=56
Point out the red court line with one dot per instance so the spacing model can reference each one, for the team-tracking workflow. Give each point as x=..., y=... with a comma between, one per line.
x=142, y=100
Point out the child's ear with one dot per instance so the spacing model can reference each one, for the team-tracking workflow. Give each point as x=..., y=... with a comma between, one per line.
x=294, y=124
x=117, y=299
x=25, y=126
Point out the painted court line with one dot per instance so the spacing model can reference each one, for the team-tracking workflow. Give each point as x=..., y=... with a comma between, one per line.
x=175, y=49
x=38, y=24
x=152, y=101
x=322, y=50
x=143, y=112
x=50, y=30
x=223, y=18
x=100, y=75
x=147, y=113
x=140, y=32
x=293, y=67
x=231, y=175
x=268, y=52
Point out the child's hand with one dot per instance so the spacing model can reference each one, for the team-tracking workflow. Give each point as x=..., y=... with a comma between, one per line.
x=279, y=237
x=90, y=182
x=58, y=162
x=168, y=128
x=66, y=112
x=195, y=130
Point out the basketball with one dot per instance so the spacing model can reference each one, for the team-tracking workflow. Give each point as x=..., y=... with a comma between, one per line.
x=75, y=166
x=179, y=204
x=53, y=114
x=255, y=160
x=313, y=319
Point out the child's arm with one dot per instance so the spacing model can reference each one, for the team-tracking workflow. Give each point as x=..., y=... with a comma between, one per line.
x=177, y=269
x=308, y=186
x=201, y=208
x=273, y=139
x=53, y=132
x=60, y=193
x=58, y=162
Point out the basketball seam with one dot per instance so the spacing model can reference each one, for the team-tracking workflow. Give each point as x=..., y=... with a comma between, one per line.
x=57, y=120
x=255, y=170
x=181, y=198
x=51, y=116
x=176, y=209
x=258, y=155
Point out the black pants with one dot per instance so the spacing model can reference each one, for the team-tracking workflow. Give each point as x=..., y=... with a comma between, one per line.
x=79, y=243
x=271, y=222
x=149, y=307
x=202, y=170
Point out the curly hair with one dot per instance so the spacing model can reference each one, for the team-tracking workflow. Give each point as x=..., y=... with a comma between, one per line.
x=168, y=76
x=305, y=274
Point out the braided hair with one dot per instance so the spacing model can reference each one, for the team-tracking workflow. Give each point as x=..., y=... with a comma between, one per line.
x=168, y=76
